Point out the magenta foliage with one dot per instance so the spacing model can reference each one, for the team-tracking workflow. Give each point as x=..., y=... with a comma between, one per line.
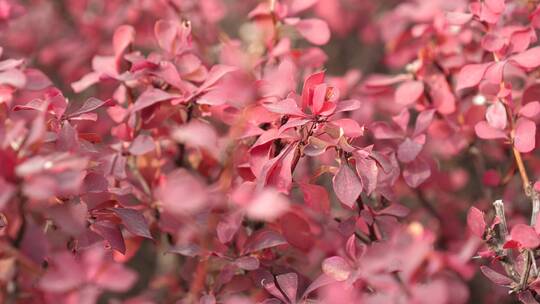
x=269, y=151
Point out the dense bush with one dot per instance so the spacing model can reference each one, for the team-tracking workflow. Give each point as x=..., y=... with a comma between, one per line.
x=272, y=151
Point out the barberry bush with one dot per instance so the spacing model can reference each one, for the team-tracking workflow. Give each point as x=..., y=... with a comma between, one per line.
x=269, y=151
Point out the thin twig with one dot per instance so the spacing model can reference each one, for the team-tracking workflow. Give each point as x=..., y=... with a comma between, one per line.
x=508, y=262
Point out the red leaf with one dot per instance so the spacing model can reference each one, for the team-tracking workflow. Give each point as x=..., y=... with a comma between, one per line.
x=316, y=197
x=296, y=231
x=347, y=185
x=495, y=277
x=526, y=296
x=110, y=232
x=476, y=222
x=134, y=221
x=263, y=239
x=525, y=135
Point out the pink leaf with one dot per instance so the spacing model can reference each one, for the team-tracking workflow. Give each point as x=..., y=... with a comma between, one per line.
x=525, y=135
x=368, y=171
x=309, y=84
x=471, y=75
x=409, y=149
x=529, y=59
x=347, y=105
x=85, y=82
x=402, y=119
x=122, y=38
x=7, y=190
x=496, y=116
x=319, y=282
x=247, y=263
x=381, y=130
x=496, y=6
x=141, y=145
x=423, y=121
x=347, y=185
x=288, y=283
x=268, y=205
x=337, y=268
x=314, y=30
x=181, y=193
x=287, y=106
x=350, y=127
x=485, y=131
x=495, y=72
x=198, y=134
x=227, y=228
x=65, y=274
x=476, y=221
x=36, y=80
x=115, y=277
x=408, y=92
x=13, y=77
x=525, y=235
x=298, y=6
x=216, y=73
x=171, y=36
x=151, y=97
x=416, y=172
x=457, y=18
x=530, y=110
